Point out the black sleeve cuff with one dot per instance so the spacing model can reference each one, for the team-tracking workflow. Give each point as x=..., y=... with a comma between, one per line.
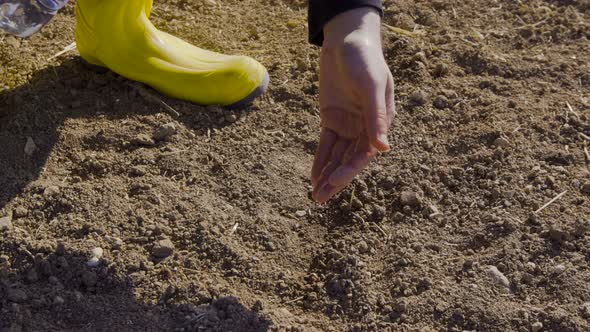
x=322, y=11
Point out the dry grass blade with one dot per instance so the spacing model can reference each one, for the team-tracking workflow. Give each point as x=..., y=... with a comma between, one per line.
x=67, y=49
x=401, y=31
x=550, y=202
x=153, y=98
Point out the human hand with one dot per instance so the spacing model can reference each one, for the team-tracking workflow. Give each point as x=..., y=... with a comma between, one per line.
x=356, y=101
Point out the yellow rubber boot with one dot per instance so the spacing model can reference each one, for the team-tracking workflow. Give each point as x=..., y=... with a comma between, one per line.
x=118, y=34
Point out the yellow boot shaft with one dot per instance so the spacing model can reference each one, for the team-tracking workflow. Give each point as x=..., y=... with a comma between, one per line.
x=118, y=34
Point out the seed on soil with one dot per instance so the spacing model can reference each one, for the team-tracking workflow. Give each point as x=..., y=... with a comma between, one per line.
x=58, y=300
x=498, y=277
x=163, y=248
x=5, y=223
x=536, y=326
x=164, y=132
x=586, y=188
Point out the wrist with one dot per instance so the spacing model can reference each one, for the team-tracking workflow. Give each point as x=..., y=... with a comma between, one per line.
x=361, y=24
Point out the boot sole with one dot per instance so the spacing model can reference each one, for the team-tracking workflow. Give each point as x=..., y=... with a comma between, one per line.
x=260, y=90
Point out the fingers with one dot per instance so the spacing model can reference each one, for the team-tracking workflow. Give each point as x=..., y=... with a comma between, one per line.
x=377, y=115
x=337, y=155
x=390, y=99
x=343, y=175
x=327, y=140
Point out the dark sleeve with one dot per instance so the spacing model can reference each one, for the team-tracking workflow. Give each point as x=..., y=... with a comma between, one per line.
x=322, y=11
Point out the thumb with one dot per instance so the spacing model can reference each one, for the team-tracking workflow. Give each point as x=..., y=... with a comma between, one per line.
x=376, y=116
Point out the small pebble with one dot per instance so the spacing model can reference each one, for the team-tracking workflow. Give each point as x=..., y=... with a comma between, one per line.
x=559, y=269
x=231, y=118
x=58, y=300
x=20, y=212
x=536, y=326
x=97, y=252
x=95, y=256
x=498, y=277
x=93, y=262
x=164, y=132
x=531, y=266
x=441, y=102
x=117, y=243
x=30, y=147
x=300, y=213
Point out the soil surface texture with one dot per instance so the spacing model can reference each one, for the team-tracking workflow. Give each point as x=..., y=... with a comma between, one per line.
x=478, y=220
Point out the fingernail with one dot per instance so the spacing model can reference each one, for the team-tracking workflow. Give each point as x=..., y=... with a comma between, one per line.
x=384, y=140
x=324, y=191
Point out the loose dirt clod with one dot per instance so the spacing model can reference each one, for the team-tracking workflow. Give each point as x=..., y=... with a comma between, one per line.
x=163, y=248
x=410, y=198
x=16, y=295
x=5, y=223
x=164, y=132
x=559, y=269
x=89, y=278
x=20, y=212
x=419, y=97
